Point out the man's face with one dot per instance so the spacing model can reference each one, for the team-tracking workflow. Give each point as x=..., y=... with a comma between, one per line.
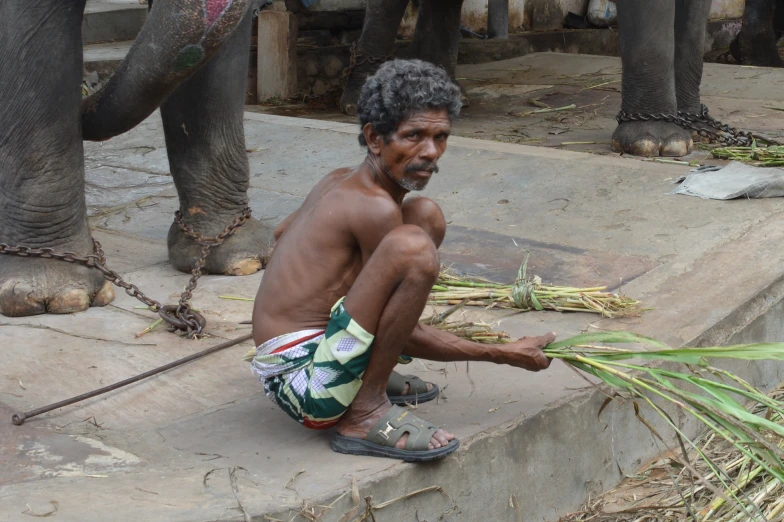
x=411, y=154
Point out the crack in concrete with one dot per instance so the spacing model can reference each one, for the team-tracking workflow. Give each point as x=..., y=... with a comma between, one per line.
x=71, y=334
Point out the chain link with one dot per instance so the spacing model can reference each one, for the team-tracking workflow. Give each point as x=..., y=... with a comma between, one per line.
x=180, y=316
x=726, y=135
x=206, y=243
x=355, y=60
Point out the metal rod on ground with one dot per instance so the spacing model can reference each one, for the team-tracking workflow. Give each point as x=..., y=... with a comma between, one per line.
x=498, y=19
x=20, y=418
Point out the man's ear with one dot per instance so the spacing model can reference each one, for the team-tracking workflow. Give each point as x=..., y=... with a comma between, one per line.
x=372, y=138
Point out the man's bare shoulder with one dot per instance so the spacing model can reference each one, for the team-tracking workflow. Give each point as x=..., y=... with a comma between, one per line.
x=366, y=200
x=351, y=200
x=330, y=181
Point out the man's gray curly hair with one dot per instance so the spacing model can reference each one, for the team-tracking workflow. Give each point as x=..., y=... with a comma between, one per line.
x=401, y=88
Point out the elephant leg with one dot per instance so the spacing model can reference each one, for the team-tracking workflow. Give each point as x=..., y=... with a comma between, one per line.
x=382, y=20
x=756, y=42
x=648, y=83
x=205, y=141
x=437, y=35
x=41, y=159
x=691, y=18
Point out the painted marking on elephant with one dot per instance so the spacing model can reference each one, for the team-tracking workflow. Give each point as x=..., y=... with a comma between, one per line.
x=188, y=57
x=213, y=9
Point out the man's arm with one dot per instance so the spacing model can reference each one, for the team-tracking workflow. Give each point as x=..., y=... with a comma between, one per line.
x=428, y=342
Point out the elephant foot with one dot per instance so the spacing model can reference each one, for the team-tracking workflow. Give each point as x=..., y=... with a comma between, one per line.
x=33, y=286
x=244, y=252
x=651, y=138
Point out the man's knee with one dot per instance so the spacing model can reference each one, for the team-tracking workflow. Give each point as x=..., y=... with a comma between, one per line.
x=426, y=214
x=411, y=247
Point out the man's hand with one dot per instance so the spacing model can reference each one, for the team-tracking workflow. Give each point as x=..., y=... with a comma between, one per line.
x=527, y=352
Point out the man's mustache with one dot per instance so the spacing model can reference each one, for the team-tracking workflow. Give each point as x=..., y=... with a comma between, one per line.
x=421, y=167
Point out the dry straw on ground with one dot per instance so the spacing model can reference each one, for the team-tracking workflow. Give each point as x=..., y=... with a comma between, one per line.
x=667, y=490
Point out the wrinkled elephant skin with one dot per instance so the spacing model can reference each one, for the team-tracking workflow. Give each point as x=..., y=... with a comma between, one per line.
x=190, y=59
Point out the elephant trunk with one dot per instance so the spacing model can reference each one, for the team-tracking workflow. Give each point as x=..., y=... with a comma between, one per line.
x=178, y=39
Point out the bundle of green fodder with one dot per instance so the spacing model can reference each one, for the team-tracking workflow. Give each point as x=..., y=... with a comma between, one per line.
x=734, y=474
x=757, y=155
x=529, y=293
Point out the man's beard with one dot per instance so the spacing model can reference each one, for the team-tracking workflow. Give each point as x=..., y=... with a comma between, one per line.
x=408, y=183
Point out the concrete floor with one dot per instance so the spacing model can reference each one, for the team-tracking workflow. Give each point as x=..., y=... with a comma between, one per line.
x=202, y=442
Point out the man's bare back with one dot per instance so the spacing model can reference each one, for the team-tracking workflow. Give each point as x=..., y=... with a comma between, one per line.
x=317, y=253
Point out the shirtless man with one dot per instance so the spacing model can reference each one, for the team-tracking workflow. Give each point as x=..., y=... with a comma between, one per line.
x=349, y=278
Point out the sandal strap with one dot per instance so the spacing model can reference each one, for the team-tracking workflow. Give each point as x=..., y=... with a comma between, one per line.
x=398, y=422
x=416, y=385
x=397, y=383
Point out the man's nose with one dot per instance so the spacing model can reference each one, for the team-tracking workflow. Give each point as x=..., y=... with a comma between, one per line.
x=429, y=150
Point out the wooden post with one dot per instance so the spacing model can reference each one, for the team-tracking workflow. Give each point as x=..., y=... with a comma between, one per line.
x=276, y=73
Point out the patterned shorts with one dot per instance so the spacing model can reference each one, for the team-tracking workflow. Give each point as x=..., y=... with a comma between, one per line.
x=314, y=375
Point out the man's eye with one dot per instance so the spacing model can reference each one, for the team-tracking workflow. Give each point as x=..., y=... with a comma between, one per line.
x=413, y=136
x=442, y=137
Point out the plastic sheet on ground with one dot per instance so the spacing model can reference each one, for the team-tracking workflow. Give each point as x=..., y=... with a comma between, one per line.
x=736, y=180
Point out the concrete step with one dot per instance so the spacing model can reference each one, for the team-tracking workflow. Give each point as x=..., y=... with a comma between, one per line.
x=112, y=20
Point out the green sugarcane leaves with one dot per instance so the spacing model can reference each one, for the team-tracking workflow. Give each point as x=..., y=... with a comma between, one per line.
x=715, y=403
x=605, y=337
x=731, y=409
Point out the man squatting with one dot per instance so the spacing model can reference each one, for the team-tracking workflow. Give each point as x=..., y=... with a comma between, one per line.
x=341, y=299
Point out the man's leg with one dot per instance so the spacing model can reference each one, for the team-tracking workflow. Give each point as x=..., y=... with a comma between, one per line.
x=387, y=300
x=426, y=214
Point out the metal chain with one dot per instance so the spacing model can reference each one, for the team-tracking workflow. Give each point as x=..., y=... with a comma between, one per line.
x=179, y=317
x=355, y=59
x=206, y=243
x=727, y=134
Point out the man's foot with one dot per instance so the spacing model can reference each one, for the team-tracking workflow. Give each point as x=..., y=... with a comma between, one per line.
x=244, y=252
x=393, y=432
x=409, y=389
x=30, y=286
x=651, y=138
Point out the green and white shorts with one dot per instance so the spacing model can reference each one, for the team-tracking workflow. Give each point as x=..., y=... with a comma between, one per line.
x=314, y=375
